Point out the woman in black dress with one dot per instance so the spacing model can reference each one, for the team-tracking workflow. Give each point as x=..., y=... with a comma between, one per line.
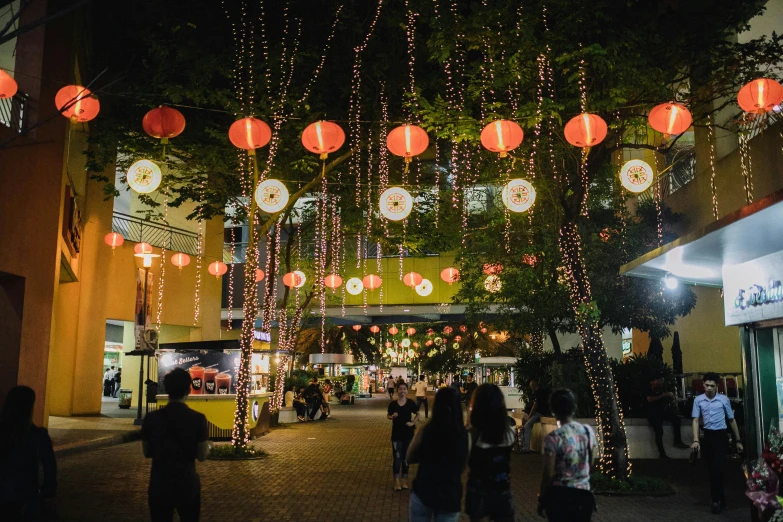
x=403, y=413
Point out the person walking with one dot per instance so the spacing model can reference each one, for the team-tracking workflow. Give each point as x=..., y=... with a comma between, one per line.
x=403, y=413
x=421, y=395
x=28, y=469
x=469, y=387
x=540, y=408
x=565, y=494
x=488, y=492
x=117, y=381
x=108, y=381
x=390, y=386
x=440, y=449
x=660, y=407
x=713, y=409
x=174, y=437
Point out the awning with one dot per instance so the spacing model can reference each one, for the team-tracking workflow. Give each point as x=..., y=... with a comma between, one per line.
x=698, y=258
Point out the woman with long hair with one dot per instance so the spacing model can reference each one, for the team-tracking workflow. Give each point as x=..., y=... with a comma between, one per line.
x=488, y=494
x=25, y=451
x=565, y=493
x=403, y=413
x=441, y=450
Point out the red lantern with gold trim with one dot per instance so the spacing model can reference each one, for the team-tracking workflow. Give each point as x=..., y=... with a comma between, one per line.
x=333, y=281
x=502, y=136
x=323, y=137
x=670, y=118
x=372, y=281
x=760, y=96
x=259, y=275
x=585, y=130
x=217, y=268
x=410, y=331
x=179, y=260
x=113, y=239
x=80, y=103
x=412, y=279
x=450, y=275
x=163, y=123
x=407, y=141
x=8, y=85
x=394, y=330
x=292, y=279
x=375, y=329
x=357, y=327
x=249, y=133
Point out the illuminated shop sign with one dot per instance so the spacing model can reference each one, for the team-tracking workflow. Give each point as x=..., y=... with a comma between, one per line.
x=753, y=291
x=757, y=295
x=262, y=336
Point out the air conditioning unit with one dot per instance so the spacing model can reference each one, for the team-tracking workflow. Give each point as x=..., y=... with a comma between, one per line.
x=150, y=340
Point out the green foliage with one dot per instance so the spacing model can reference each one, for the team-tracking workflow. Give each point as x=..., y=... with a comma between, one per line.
x=634, y=485
x=553, y=372
x=228, y=452
x=633, y=377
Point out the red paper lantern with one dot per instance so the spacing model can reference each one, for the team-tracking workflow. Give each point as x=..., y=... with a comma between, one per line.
x=483, y=330
x=529, y=259
x=407, y=141
x=113, y=239
x=412, y=279
x=163, y=122
x=447, y=330
x=179, y=260
x=760, y=96
x=249, y=133
x=428, y=343
x=585, y=130
x=387, y=344
x=8, y=86
x=372, y=281
x=142, y=248
x=463, y=328
x=415, y=345
x=430, y=332
x=333, y=281
x=670, y=118
x=458, y=338
x=493, y=268
x=292, y=279
x=259, y=275
x=393, y=330
x=450, y=275
x=375, y=329
x=502, y=136
x=217, y=268
x=410, y=331
x=357, y=327
x=81, y=104
x=323, y=137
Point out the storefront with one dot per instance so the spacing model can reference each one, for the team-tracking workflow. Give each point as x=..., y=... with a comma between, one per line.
x=214, y=368
x=742, y=254
x=498, y=371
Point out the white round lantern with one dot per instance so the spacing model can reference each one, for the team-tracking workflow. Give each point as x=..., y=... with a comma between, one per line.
x=455, y=346
x=396, y=203
x=354, y=286
x=493, y=284
x=424, y=288
x=518, y=195
x=271, y=196
x=405, y=343
x=144, y=176
x=300, y=281
x=636, y=176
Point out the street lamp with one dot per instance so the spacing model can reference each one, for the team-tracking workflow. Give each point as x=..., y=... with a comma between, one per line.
x=670, y=281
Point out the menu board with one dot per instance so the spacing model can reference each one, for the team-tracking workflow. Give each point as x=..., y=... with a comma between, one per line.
x=211, y=372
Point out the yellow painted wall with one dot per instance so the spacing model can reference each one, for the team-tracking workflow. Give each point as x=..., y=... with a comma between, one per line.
x=706, y=343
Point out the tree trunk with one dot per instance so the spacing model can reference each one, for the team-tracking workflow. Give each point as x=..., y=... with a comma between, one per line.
x=614, y=460
x=552, y=332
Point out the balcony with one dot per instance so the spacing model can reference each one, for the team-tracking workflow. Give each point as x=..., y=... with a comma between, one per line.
x=136, y=230
x=12, y=112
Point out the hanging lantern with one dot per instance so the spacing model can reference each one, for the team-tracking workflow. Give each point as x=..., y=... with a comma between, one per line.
x=455, y=346
x=428, y=342
x=179, y=260
x=357, y=327
x=493, y=268
x=407, y=141
x=458, y=338
x=636, y=176
x=372, y=281
x=415, y=344
x=271, y=196
x=450, y=275
x=484, y=330
x=405, y=342
x=354, y=286
x=529, y=259
x=502, y=136
x=142, y=249
x=323, y=137
x=163, y=123
x=249, y=133
x=493, y=284
x=410, y=331
x=387, y=344
x=670, y=118
x=424, y=288
x=144, y=176
x=518, y=195
x=585, y=130
x=412, y=279
x=394, y=330
x=301, y=278
x=760, y=96
x=447, y=330
x=396, y=203
x=430, y=332
x=8, y=86
x=259, y=275
x=291, y=279
x=463, y=328
x=217, y=268
x=113, y=239
x=375, y=329
x=333, y=281
x=438, y=341
x=411, y=354
x=82, y=106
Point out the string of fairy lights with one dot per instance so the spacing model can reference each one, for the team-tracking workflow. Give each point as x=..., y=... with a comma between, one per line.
x=713, y=191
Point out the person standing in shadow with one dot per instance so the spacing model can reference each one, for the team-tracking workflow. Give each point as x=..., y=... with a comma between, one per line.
x=28, y=470
x=661, y=406
x=174, y=437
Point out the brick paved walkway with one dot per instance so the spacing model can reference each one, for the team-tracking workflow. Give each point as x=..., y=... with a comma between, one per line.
x=340, y=470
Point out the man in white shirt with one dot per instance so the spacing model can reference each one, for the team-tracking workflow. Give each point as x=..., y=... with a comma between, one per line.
x=108, y=382
x=421, y=395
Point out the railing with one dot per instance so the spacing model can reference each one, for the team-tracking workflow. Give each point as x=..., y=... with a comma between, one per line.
x=12, y=111
x=681, y=172
x=137, y=230
x=369, y=251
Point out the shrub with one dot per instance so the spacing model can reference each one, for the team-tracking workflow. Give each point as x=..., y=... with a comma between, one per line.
x=633, y=377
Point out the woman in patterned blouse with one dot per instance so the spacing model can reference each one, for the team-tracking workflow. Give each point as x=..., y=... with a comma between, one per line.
x=568, y=453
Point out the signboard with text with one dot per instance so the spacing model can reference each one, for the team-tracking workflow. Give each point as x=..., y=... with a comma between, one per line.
x=753, y=291
x=211, y=373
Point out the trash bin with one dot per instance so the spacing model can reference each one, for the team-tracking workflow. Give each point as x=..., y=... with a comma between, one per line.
x=125, y=398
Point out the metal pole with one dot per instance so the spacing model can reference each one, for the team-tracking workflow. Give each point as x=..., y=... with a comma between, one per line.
x=138, y=420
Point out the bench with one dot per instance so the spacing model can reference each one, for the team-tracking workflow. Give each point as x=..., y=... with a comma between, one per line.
x=287, y=416
x=540, y=430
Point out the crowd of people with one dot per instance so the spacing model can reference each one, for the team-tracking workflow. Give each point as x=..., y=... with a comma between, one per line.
x=111, y=382
x=310, y=400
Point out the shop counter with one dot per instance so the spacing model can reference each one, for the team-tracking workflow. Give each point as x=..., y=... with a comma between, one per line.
x=219, y=410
